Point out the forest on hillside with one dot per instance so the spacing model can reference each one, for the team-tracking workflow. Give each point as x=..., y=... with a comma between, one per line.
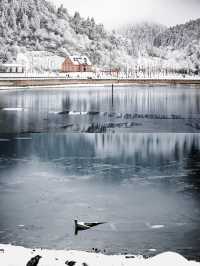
x=37, y=25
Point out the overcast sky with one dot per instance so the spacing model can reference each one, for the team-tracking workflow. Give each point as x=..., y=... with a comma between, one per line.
x=113, y=13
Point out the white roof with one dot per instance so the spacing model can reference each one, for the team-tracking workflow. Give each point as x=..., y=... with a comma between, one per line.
x=80, y=60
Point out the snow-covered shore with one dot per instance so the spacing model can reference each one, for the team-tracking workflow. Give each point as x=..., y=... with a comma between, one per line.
x=19, y=256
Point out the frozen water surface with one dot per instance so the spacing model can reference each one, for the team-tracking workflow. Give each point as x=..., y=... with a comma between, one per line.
x=145, y=186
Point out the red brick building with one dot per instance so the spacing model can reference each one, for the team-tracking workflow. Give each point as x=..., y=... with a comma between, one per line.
x=76, y=64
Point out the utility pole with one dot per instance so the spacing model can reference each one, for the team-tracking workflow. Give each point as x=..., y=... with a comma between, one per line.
x=112, y=95
x=110, y=60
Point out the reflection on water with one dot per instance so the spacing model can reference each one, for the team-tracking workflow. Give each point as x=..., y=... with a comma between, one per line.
x=146, y=186
x=152, y=108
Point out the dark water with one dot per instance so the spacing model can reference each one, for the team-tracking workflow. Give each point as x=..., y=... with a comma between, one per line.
x=141, y=175
x=131, y=109
x=146, y=186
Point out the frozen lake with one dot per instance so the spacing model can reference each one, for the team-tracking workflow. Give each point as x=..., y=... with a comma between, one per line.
x=96, y=110
x=146, y=186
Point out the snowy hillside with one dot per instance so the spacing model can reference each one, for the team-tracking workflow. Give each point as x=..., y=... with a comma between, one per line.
x=142, y=36
x=179, y=36
x=181, y=44
x=36, y=25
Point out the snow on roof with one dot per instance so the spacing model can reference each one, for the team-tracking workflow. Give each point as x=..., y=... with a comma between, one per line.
x=80, y=60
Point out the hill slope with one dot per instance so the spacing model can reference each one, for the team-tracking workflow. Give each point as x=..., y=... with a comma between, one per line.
x=142, y=36
x=37, y=25
x=182, y=42
x=179, y=36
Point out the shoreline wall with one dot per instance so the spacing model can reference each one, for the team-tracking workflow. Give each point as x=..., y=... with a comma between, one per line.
x=22, y=82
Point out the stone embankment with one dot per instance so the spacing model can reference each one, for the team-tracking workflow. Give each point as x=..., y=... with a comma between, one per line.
x=29, y=82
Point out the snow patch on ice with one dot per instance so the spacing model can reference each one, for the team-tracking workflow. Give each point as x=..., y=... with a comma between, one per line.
x=18, y=109
x=21, y=225
x=155, y=226
x=77, y=113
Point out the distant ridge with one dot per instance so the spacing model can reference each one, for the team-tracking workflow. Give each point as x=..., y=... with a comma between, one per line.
x=179, y=36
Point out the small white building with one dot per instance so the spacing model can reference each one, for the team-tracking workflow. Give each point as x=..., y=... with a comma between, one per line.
x=12, y=68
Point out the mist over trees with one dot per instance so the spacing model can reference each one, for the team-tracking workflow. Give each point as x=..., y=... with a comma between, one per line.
x=37, y=25
x=142, y=36
x=179, y=36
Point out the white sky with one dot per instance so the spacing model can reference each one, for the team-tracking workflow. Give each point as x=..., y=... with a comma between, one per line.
x=113, y=13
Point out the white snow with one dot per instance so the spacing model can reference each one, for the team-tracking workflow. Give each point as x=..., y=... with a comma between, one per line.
x=19, y=109
x=77, y=113
x=152, y=249
x=21, y=225
x=155, y=226
x=77, y=59
x=19, y=256
x=93, y=75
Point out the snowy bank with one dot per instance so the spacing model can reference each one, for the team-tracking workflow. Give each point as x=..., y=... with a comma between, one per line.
x=19, y=256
